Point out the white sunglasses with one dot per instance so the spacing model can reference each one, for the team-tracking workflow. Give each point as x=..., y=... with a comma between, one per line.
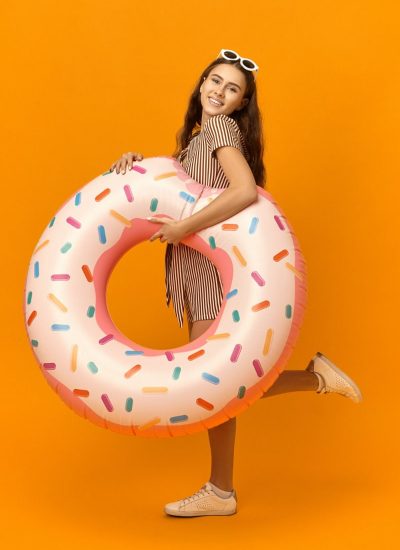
x=246, y=63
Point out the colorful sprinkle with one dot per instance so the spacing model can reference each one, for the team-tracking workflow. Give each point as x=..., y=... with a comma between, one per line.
x=34, y=343
x=42, y=245
x=295, y=271
x=235, y=315
x=176, y=373
x=139, y=169
x=128, y=404
x=205, y=404
x=92, y=367
x=288, y=311
x=282, y=254
x=181, y=418
x=29, y=298
x=236, y=352
x=169, y=355
x=120, y=218
x=134, y=352
x=60, y=277
x=230, y=227
x=241, y=392
x=49, y=366
x=210, y=378
x=211, y=240
x=58, y=303
x=36, y=270
x=52, y=222
x=232, y=293
x=65, y=247
x=132, y=371
x=279, y=223
x=102, y=234
x=90, y=311
x=80, y=393
x=78, y=199
x=153, y=205
x=106, y=339
x=253, y=225
x=165, y=175
x=107, y=402
x=154, y=389
x=260, y=305
x=267, y=341
x=218, y=336
x=60, y=327
x=87, y=273
x=196, y=354
x=150, y=423
x=72, y=221
x=103, y=194
x=239, y=256
x=258, y=368
x=31, y=317
x=258, y=279
x=128, y=193
x=186, y=197
x=74, y=357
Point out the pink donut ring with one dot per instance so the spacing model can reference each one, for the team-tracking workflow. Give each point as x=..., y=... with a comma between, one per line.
x=114, y=382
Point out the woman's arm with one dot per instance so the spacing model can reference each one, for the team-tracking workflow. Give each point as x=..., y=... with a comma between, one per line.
x=242, y=191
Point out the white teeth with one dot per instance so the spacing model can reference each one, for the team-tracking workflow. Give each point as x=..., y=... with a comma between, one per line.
x=215, y=102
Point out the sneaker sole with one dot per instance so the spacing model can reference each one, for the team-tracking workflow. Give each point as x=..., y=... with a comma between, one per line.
x=343, y=375
x=205, y=513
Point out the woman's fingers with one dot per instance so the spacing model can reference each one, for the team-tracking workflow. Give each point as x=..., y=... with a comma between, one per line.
x=126, y=161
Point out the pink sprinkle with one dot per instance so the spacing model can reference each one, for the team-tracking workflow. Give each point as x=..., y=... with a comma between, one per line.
x=236, y=352
x=169, y=355
x=258, y=368
x=106, y=338
x=60, y=277
x=279, y=223
x=257, y=277
x=139, y=169
x=49, y=366
x=74, y=222
x=107, y=402
x=128, y=193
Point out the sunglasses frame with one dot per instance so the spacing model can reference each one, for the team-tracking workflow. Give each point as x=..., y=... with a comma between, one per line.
x=242, y=59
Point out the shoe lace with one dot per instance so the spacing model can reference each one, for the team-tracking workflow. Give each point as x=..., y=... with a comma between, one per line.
x=200, y=493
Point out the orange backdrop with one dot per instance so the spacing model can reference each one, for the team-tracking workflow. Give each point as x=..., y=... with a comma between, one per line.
x=84, y=82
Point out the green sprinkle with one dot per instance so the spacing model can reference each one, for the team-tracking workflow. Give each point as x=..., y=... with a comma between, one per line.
x=92, y=367
x=212, y=242
x=66, y=247
x=241, y=392
x=176, y=373
x=90, y=311
x=129, y=404
x=29, y=300
x=34, y=343
x=236, y=316
x=288, y=311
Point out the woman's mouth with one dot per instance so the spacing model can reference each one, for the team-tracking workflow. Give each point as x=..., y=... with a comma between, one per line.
x=214, y=102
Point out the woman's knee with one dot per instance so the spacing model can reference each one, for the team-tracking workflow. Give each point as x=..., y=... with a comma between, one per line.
x=198, y=327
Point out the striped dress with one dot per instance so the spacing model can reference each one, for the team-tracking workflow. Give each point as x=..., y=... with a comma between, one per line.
x=191, y=279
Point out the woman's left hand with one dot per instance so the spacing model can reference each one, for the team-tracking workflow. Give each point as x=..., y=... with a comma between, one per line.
x=171, y=231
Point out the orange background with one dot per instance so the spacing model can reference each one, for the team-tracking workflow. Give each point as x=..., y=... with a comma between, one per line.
x=84, y=82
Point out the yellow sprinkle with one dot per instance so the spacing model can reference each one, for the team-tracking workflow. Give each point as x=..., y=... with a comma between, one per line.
x=267, y=341
x=239, y=255
x=217, y=336
x=295, y=271
x=120, y=217
x=150, y=423
x=41, y=245
x=155, y=389
x=165, y=175
x=74, y=357
x=57, y=302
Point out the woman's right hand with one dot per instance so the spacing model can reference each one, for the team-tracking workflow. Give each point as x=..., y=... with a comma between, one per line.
x=126, y=159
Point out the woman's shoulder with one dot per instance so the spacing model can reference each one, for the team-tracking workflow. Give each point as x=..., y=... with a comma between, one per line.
x=221, y=120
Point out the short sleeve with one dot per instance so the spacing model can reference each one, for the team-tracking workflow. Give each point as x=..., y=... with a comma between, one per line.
x=221, y=130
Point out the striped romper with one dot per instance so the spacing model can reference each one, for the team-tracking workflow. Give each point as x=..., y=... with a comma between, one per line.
x=191, y=279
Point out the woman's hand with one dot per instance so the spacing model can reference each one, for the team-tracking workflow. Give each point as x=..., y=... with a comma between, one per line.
x=126, y=159
x=171, y=231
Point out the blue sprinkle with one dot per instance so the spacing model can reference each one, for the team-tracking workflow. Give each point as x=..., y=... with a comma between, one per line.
x=153, y=205
x=65, y=247
x=185, y=196
x=133, y=352
x=102, y=234
x=176, y=373
x=34, y=343
x=59, y=327
x=90, y=311
x=253, y=225
x=92, y=367
x=210, y=378
x=212, y=242
x=52, y=222
x=288, y=311
x=236, y=316
x=78, y=199
x=29, y=300
x=36, y=270
x=181, y=418
x=129, y=404
x=232, y=293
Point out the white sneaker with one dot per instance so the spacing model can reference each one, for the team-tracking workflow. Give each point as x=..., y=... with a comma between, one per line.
x=203, y=503
x=333, y=379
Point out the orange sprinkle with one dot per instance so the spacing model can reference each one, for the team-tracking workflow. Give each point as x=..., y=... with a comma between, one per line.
x=217, y=336
x=31, y=317
x=41, y=245
x=295, y=271
x=87, y=273
x=280, y=255
x=81, y=393
x=260, y=305
x=103, y=194
x=229, y=226
x=57, y=302
x=267, y=341
x=165, y=175
x=205, y=404
x=154, y=389
x=196, y=354
x=132, y=371
x=120, y=217
x=74, y=357
x=239, y=255
x=150, y=423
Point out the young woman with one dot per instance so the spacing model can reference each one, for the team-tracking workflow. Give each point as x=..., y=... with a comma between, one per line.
x=221, y=145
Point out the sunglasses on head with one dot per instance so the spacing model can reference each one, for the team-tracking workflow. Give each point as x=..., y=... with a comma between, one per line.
x=246, y=63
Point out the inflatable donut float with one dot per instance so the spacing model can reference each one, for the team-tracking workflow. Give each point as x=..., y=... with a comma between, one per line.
x=125, y=387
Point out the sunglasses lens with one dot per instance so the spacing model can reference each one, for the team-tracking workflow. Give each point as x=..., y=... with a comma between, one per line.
x=249, y=64
x=229, y=54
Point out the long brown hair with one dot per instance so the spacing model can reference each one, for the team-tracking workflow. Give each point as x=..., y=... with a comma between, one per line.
x=248, y=118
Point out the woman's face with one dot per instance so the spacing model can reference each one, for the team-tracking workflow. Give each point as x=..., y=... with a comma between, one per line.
x=226, y=85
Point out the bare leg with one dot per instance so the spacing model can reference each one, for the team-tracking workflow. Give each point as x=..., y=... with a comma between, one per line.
x=293, y=380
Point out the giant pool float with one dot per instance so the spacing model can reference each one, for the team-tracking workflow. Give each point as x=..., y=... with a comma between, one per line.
x=113, y=381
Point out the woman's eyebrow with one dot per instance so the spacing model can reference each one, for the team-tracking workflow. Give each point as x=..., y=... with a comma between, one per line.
x=215, y=74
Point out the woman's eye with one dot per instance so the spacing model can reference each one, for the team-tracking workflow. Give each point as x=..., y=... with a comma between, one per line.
x=215, y=80
x=234, y=89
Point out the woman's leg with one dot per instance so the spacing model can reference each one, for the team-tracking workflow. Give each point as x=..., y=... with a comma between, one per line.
x=222, y=437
